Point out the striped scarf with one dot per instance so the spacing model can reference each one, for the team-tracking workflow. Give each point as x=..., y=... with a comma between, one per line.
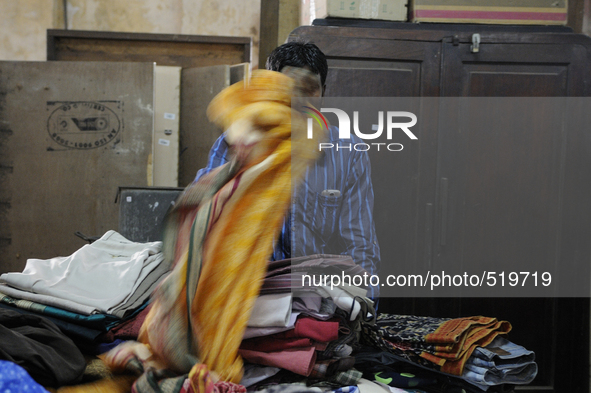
x=219, y=235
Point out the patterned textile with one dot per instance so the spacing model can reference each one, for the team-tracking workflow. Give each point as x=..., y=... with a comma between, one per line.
x=347, y=389
x=220, y=232
x=320, y=369
x=96, y=321
x=158, y=381
x=228, y=387
x=338, y=380
x=346, y=378
x=63, y=304
x=328, y=368
x=13, y=378
x=199, y=381
x=441, y=343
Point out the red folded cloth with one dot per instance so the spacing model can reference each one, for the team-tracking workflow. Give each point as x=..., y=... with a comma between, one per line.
x=268, y=344
x=308, y=327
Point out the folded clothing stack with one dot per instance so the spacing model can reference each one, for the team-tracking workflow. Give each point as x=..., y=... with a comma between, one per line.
x=470, y=349
x=501, y=362
x=112, y=276
x=309, y=332
x=444, y=344
x=98, y=288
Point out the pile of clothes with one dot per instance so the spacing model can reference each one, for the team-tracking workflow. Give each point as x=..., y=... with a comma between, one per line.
x=471, y=352
x=86, y=302
x=308, y=330
x=300, y=337
x=111, y=276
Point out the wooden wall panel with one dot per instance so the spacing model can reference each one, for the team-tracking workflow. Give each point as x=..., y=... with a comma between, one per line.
x=164, y=49
x=72, y=133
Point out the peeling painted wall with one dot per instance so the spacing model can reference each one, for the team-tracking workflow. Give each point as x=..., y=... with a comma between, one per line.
x=289, y=19
x=23, y=23
x=223, y=17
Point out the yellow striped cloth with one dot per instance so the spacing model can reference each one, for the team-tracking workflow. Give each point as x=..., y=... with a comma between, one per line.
x=223, y=230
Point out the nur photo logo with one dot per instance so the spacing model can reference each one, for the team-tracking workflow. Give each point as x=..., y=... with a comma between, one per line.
x=391, y=121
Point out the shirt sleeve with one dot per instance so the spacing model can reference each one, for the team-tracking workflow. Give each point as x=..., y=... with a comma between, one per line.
x=218, y=155
x=356, y=223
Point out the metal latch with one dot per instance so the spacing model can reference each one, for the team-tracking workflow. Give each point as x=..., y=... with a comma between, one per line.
x=475, y=48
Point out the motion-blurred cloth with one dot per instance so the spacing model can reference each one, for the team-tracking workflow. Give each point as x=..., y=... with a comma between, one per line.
x=222, y=229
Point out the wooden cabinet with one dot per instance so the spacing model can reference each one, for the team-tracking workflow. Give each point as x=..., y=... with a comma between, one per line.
x=453, y=204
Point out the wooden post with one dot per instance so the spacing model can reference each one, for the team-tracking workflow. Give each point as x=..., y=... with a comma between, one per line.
x=278, y=19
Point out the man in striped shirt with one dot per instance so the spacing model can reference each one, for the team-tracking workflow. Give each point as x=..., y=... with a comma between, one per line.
x=331, y=211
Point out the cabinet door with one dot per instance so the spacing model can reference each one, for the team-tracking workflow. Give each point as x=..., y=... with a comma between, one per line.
x=518, y=196
x=488, y=178
x=452, y=176
x=376, y=62
x=382, y=63
x=509, y=65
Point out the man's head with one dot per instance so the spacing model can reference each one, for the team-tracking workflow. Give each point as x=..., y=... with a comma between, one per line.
x=301, y=55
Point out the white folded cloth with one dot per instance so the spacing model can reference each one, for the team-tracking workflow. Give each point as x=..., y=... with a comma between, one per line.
x=103, y=275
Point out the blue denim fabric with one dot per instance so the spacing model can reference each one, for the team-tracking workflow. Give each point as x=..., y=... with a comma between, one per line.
x=501, y=362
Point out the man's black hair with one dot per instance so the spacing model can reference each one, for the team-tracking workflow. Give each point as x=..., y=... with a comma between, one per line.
x=299, y=54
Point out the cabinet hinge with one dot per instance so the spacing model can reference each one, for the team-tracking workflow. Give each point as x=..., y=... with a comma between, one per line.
x=475, y=48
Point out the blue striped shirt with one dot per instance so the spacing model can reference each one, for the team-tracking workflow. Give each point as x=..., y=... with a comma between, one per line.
x=324, y=224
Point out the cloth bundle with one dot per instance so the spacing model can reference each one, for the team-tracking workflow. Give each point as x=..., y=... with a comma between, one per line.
x=501, y=362
x=99, y=287
x=443, y=344
x=14, y=378
x=294, y=349
x=220, y=234
x=37, y=345
x=305, y=328
x=112, y=276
